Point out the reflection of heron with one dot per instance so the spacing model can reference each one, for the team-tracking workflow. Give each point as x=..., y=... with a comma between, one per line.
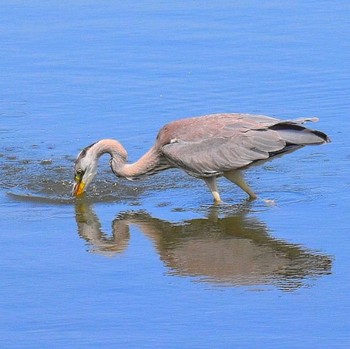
x=205, y=147
x=89, y=228
x=235, y=250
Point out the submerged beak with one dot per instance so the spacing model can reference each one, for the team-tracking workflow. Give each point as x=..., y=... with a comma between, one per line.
x=78, y=188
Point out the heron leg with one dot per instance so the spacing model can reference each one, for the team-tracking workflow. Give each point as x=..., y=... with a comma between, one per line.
x=211, y=183
x=237, y=178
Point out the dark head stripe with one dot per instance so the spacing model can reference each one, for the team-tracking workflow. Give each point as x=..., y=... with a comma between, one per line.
x=84, y=151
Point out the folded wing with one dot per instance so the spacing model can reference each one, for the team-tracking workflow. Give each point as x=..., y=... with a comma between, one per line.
x=239, y=147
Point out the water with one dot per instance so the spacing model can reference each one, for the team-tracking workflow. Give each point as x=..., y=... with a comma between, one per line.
x=154, y=263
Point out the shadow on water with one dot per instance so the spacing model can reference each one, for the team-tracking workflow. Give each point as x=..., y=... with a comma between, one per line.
x=236, y=250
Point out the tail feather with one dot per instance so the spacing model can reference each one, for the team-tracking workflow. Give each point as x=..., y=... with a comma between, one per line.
x=303, y=120
x=296, y=134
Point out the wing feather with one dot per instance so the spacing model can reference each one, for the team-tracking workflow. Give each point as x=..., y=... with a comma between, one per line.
x=216, y=155
x=213, y=144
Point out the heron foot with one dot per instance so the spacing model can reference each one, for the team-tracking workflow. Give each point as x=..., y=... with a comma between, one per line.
x=269, y=202
x=217, y=201
x=211, y=183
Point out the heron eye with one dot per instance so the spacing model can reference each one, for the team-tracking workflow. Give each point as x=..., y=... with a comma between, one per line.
x=78, y=175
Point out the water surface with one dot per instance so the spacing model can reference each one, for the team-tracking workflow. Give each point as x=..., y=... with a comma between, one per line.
x=155, y=263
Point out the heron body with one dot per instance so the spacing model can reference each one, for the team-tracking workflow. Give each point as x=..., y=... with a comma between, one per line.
x=205, y=147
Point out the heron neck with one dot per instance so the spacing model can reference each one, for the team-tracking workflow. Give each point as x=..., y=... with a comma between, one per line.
x=144, y=166
x=110, y=146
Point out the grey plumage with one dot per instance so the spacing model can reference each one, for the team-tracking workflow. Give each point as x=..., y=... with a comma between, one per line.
x=242, y=139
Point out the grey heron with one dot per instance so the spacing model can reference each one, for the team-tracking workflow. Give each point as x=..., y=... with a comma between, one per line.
x=205, y=147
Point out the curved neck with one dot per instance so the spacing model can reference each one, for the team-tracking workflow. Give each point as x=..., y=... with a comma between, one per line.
x=110, y=146
x=146, y=165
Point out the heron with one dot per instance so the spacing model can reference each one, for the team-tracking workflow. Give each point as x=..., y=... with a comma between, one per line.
x=205, y=147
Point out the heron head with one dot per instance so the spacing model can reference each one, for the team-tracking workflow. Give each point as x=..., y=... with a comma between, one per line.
x=85, y=169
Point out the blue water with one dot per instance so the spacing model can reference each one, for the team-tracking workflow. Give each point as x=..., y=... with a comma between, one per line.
x=153, y=263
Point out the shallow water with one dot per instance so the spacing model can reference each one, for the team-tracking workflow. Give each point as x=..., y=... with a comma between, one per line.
x=154, y=263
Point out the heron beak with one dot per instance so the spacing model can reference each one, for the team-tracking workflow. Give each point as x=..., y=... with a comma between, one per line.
x=78, y=188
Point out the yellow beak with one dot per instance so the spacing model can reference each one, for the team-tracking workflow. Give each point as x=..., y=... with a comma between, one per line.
x=78, y=188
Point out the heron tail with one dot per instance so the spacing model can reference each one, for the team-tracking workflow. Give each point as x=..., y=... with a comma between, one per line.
x=296, y=134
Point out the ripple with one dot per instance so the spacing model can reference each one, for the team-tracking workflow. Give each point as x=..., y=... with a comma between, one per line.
x=30, y=197
x=283, y=197
x=49, y=180
x=60, y=192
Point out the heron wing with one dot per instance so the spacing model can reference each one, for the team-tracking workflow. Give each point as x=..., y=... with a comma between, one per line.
x=218, y=125
x=215, y=155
